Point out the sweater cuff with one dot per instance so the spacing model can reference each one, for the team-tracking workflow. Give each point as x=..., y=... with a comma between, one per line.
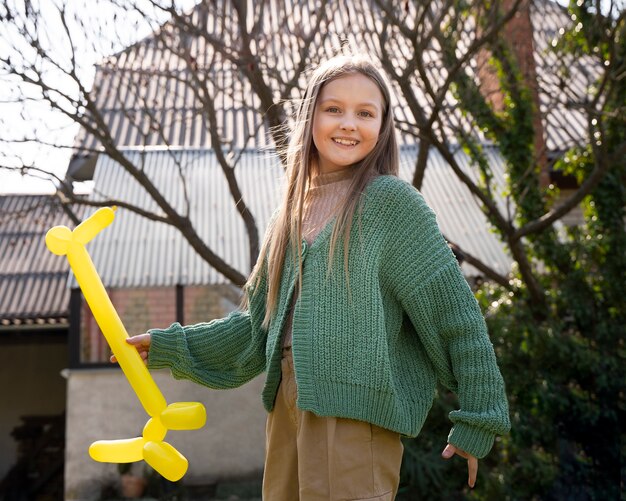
x=163, y=343
x=472, y=440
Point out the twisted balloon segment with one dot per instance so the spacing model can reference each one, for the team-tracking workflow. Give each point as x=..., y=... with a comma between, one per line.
x=164, y=458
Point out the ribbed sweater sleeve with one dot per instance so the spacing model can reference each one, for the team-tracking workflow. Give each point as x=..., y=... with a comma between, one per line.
x=221, y=354
x=425, y=277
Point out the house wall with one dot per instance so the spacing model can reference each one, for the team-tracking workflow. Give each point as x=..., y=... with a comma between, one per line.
x=39, y=390
x=102, y=406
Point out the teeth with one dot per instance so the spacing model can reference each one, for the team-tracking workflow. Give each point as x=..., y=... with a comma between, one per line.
x=345, y=142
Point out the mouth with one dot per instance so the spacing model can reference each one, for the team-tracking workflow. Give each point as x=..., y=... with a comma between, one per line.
x=344, y=141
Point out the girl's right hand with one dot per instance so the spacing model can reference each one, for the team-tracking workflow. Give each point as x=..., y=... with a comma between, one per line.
x=142, y=343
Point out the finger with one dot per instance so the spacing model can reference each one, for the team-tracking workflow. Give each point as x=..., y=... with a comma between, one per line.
x=113, y=359
x=449, y=451
x=472, y=467
x=139, y=338
x=136, y=340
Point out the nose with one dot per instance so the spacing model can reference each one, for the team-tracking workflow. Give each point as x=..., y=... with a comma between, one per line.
x=347, y=123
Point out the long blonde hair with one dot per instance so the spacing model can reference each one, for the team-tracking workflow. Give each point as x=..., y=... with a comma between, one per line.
x=301, y=156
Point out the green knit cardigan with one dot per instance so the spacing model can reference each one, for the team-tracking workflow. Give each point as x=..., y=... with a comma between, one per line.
x=372, y=351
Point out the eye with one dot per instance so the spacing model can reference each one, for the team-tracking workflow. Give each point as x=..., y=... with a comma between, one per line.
x=332, y=109
x=366, y=114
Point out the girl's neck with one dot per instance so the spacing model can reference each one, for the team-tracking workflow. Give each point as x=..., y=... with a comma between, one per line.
x=320, y=179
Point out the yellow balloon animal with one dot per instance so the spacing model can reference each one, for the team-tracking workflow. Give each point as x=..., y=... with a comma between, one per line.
x=179, y=416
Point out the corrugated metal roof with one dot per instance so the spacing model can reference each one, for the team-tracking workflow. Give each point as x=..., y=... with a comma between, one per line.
x=149, y=80
x=458, y=213
x=138, y=252
x=33, y=281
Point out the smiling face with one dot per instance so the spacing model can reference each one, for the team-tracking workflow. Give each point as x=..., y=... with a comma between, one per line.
x=346, y=121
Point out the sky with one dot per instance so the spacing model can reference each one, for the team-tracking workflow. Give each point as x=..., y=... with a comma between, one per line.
x=109, y=30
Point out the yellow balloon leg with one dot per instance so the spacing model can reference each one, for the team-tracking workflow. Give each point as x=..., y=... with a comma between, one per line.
x=117, y=451
x=184, y=416
x=165, y=459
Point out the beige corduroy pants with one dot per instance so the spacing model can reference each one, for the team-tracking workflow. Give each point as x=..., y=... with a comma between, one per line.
x=311, y=458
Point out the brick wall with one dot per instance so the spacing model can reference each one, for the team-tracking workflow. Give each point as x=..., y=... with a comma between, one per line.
x=143, y=308
x=204, y=303
x=518, y=34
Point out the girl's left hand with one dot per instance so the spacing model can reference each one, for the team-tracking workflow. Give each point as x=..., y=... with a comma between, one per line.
x=472, y=462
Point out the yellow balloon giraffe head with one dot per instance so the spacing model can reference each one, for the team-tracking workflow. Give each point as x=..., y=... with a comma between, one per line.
x=60, y=239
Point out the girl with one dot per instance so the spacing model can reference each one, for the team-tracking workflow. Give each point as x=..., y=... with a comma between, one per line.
x=355, y=308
